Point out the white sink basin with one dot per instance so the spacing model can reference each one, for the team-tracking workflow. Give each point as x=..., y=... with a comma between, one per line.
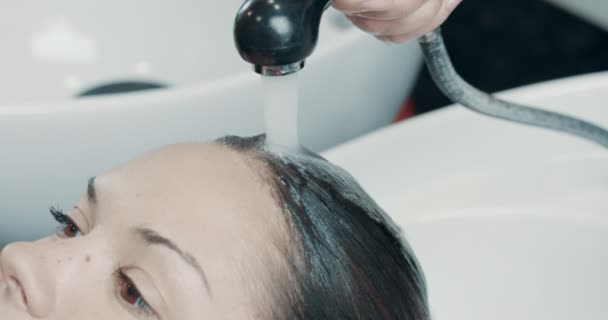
x=54, y=51
x=505, y=265
x=51, y=142
x=509, y=222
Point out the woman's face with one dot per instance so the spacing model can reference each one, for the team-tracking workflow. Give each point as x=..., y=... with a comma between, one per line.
x=185, y=232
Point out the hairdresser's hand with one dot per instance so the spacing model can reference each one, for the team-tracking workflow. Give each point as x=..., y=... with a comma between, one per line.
x=397, y=20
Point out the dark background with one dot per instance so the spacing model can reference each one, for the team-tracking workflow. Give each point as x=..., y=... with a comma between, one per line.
x=501, y=44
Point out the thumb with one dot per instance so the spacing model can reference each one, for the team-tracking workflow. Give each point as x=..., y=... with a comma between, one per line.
x=356, y=6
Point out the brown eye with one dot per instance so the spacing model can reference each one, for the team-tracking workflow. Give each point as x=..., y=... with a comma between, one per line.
x=70, y=230
x=129, y=294
x=128, y=291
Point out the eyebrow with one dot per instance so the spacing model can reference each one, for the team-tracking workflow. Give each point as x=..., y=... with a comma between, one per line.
x=91, y=194
x=154, y=238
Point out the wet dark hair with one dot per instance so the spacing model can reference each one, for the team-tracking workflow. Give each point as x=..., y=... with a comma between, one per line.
x=352, y=261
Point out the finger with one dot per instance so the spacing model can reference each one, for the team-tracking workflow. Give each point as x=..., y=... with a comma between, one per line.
x=412, y=22
x=400, y=38
x=399, y=10
x=438, y=20
x=359, y=6
x=352, y=6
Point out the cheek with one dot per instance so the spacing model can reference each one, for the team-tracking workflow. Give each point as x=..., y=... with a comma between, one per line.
x=8, y=310
x=88, y=292
x=84, y=277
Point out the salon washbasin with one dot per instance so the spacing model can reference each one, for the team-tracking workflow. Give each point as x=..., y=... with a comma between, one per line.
x=52, y=139
x=56, y=52
x=509, y=222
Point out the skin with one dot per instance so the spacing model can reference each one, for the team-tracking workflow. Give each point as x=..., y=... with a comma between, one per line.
x=210, y=201
x=397, y=20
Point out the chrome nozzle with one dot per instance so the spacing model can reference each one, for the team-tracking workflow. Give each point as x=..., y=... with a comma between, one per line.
x=277, y=71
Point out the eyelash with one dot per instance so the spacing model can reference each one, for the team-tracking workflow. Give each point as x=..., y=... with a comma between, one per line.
x=126, y=291
x=66, y=224
x=130, y=294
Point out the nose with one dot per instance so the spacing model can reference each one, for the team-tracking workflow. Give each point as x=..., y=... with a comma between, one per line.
x=24, y=265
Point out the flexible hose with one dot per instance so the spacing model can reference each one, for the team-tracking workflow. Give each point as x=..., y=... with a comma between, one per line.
x=459, y=91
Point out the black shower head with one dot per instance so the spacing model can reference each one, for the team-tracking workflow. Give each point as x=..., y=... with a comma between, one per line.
x=276, y=36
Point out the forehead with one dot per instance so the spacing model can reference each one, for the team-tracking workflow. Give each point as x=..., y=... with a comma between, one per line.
x=200, y=194
x=212, y=202
x=198, y=173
